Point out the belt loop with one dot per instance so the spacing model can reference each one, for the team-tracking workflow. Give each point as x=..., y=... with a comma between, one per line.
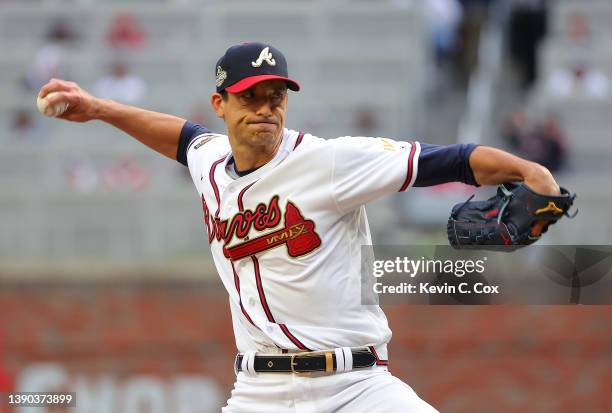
x=339, y=360
x=348, y=358
x=236, y=364
x=248, y=363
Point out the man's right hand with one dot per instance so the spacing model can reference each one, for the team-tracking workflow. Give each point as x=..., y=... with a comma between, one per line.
x=82, y=107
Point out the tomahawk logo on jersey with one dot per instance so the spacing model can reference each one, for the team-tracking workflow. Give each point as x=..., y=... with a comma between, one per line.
x=294, y=228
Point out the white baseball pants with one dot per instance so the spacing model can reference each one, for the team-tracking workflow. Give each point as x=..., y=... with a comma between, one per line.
x=372, y=390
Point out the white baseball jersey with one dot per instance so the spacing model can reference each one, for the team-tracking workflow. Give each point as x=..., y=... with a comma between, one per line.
x=286, y=239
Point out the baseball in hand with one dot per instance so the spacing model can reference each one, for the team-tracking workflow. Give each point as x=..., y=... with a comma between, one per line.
x=43, y=106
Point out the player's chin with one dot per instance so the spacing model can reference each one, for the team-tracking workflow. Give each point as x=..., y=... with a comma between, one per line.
x=261, y=139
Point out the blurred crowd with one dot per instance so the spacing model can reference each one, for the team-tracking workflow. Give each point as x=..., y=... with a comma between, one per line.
x=121, y=175
x=454, y=31
x=532, y=32
x=580, y=77
x=124, y=34
x=539, y=140
x=456, y=27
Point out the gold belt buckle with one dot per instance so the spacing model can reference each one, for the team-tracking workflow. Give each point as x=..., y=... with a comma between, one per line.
x=292, y=363
x=329, y=361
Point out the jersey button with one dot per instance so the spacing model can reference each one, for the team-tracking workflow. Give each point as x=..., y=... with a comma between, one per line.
x=252, y=302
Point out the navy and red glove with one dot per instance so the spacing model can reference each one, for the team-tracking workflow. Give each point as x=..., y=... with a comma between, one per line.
x=506, y=221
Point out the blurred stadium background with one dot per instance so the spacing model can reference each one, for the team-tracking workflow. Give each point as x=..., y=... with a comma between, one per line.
x=106, y=282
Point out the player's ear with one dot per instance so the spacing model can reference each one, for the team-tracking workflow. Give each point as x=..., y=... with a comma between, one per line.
x=218, y=104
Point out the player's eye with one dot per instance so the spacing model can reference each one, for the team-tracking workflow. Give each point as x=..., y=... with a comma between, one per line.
x=278, y=96
x=247, y=95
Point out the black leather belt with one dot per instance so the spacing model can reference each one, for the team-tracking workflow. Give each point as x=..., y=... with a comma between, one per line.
x=319, y=361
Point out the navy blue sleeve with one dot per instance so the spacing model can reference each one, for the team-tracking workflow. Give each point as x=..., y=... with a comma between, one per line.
x=189, y=132
x=442, y=164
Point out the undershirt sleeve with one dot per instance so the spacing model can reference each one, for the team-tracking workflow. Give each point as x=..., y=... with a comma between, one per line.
x=189, y=132
x=442, y=164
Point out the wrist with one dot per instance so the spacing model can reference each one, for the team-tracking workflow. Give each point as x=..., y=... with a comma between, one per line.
x=539, y=179
x=100, y=109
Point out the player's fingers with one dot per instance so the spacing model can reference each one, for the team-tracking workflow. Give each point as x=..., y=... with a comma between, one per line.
x=45, y=90
x=61, y=97
x=70, y=99
x=55, y=85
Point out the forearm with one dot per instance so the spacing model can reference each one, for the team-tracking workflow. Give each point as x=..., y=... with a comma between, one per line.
x=158, y=131
x=492, y=166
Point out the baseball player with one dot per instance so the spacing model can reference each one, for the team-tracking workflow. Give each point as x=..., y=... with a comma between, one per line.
x=285, y=219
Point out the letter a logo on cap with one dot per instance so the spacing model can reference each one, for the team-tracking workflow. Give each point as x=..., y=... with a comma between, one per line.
x=266, y=56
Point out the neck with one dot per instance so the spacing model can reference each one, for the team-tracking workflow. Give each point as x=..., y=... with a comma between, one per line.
x=249, y=157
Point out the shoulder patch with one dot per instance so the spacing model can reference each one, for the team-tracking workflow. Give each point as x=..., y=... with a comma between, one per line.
x=203, y=139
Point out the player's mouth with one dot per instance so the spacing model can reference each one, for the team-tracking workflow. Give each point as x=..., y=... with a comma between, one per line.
x=262, y=122
x=264, y=126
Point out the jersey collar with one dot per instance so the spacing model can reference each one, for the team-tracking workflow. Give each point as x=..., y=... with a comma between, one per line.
x=284, y=149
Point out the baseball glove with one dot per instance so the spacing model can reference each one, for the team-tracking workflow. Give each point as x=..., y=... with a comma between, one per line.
x=504, y=222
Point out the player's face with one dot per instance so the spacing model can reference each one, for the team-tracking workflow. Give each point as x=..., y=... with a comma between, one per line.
x=257, y=115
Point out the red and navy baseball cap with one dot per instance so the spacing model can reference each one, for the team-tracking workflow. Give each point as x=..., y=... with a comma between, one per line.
x=246, y=64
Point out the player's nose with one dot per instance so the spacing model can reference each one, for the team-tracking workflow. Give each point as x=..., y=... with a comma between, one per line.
x=265, y=109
